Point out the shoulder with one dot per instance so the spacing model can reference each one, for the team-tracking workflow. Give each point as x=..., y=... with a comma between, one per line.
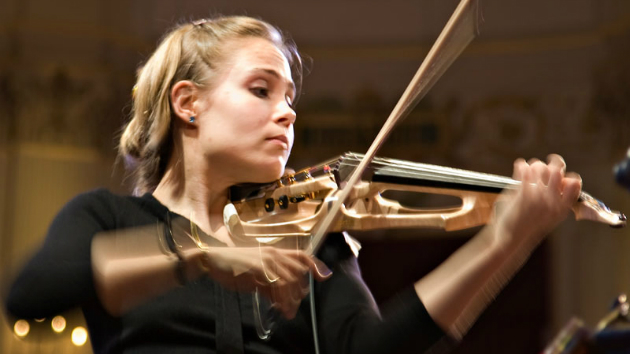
x=103, y=207
x=99, y=200
x=93, y=198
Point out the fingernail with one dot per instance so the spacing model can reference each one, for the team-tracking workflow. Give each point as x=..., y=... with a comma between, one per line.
x=322, y=269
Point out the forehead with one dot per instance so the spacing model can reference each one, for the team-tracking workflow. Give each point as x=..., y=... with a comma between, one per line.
x=246, y=54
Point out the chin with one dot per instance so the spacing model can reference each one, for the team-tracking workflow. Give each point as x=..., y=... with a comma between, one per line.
x=268, y=172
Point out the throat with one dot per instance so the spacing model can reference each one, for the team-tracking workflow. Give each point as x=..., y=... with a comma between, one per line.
x=222, y=235
x=219, y=233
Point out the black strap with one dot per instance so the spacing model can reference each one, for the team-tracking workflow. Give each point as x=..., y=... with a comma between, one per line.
x=228, y=321
x=229, y=334
x=180, y=271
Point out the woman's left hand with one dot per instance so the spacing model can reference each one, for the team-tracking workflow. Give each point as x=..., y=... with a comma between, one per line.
x=542, y=201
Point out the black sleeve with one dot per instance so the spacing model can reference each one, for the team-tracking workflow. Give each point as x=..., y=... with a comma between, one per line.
x=350, y=321
x=59, y=276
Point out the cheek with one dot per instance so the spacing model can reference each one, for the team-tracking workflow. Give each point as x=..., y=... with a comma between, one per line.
x=247, y=115
x=240, y=118
x=291, y=136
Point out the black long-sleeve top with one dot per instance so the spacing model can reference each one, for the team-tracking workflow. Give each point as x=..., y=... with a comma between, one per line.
x=195, y=318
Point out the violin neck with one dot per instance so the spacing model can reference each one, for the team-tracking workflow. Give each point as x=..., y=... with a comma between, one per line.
x=427, y=175
x=420, y=174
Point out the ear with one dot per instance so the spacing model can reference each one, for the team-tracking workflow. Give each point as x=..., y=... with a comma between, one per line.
x=184, y=95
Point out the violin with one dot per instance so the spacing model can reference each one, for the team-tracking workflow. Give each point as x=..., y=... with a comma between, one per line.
x=288, y=212
x=346, y=193
x=293, y=205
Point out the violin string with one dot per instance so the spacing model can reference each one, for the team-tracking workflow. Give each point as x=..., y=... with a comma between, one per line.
x=432, y=172
x=439, y=173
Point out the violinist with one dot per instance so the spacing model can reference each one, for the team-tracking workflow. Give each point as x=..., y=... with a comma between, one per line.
x=212, y=108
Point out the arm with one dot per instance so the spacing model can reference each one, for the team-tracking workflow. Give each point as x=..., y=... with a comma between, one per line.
x=449, y=299
x=140, y=259
x=58, y=277
x=349, y=319
x=458, y=290
x=134, y=259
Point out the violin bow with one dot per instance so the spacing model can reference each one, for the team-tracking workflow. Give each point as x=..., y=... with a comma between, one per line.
x=460, y=30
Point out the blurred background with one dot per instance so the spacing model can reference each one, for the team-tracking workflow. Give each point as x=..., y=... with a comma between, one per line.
x=543, y=76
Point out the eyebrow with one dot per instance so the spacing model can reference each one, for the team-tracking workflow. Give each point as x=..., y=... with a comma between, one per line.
x=275, y=74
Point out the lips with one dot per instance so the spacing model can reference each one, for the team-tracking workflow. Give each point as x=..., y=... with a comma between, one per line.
x=280, y=139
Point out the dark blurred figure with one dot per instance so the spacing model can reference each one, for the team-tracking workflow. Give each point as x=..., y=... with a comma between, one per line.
x=622, y=171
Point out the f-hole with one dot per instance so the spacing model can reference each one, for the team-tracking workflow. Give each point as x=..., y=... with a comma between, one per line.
x=420, y=200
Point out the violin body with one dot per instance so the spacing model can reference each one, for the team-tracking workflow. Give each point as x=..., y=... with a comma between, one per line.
x=295, y=204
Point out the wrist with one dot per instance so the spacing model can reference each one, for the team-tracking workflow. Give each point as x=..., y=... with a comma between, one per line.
x=508, y=242
x=191, y=255
x=197, y=264
x=502, y=240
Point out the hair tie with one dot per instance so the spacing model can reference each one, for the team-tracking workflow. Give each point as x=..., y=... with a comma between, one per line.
x=200, y=22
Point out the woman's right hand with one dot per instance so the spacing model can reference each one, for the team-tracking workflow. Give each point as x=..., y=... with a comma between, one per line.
x=281, y=275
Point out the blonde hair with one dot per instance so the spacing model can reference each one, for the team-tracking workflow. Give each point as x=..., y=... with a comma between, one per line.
x=192, y=51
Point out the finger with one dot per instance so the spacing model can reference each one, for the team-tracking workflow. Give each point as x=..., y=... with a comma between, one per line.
x=283, y=263
x=296, y=290
x=574, y=175
x=277, y=295
x=305, y=286
x=519, y=166
x=317, y=267
x=526, y=175
x=572, y=185
x=259, y=279
x=532, y=161
x=541, y=172
x=287, y=274
x=294, y=293
x=289, y=312
x=557, y=167
x=555, y=179
x=290, y=308
x=278, y=302
x=297, y=295
x=286, y=302
x=320, y=270
x=557, y=161
x=267, y=273
x=293, y=265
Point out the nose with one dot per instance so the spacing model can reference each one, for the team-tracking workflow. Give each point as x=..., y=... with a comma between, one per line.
x=285, y=114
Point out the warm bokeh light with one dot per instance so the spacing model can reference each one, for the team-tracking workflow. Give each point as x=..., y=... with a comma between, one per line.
x=40, y=320
x=79, y=336
x=21, y=328
x=58, y=324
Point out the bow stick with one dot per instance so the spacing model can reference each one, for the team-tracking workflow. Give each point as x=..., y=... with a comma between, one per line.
x=459, y=31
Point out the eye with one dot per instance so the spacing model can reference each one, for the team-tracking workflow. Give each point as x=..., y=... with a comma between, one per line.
x=261, y=92
x=289, y=101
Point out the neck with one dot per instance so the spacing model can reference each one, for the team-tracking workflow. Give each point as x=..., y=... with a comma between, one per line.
x=195, y=193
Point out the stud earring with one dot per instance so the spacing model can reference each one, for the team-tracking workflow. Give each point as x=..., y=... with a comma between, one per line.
x=192, y=119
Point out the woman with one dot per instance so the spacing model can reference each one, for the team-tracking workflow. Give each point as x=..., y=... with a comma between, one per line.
x=213, y=107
